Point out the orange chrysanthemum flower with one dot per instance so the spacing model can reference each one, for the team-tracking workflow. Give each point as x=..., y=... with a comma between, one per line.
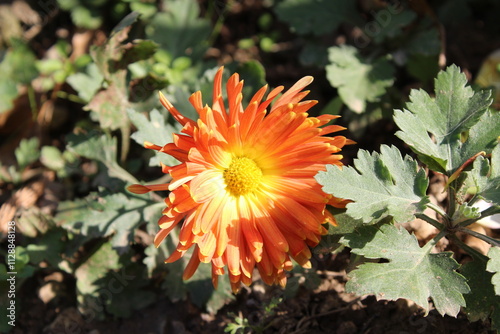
x=244, y=192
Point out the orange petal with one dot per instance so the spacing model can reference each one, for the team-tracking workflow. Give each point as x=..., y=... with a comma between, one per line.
x=177, y=115
x=192, y=265
x=206, y=185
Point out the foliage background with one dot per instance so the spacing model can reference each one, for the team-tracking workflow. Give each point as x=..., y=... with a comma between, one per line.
x=78, y=97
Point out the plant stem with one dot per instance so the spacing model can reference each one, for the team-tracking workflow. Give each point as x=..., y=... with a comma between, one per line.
x=438, y=209
x=219, y=23
x=32, y=100
x=472, y=252
x=481, y=236
x=70, y=97
x=431, y=221
x=451, y=199
x=434, y=241
x=125, y=131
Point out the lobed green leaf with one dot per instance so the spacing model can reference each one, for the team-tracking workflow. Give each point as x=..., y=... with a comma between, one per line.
x=449, y=129
x=482, y=302
x=381, y=185
x=180, y=30
x=412, y=272
x=358, y=80
x=494, y=267
x=156, y=130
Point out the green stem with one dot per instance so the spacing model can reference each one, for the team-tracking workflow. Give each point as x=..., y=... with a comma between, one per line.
x=471, y=251
x=451, y=199
x=70, y=97
x=492, y=210
x=485, y=238
x=431, y=221
x=437, y=208
x=434, y=241
x=119, y=172
x=220, y=22
x=125, y=130
x=164, y=179
x=32, y=100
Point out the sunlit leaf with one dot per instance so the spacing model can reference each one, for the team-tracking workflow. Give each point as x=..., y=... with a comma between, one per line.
x=105, y=214
x=484, y=179
x=433, y=127
x=86, y=83
x=381, y=185
x=17, y=68
x=27, y=152
x=109, y=108
x=412, y=272
x=102, y=148
x=494, y=267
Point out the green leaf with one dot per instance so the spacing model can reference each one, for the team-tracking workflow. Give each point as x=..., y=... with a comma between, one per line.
x=52, y=158
x=358, y=80
x=17, y=68
x=490, y=190
x=101, y=148
x=127, y=295
x=180, y=30
x=203, y=293
x=34, y=222
x=21, y=267
x=147, y=10
x=89, y=273
x=494, y=267
x=86, y=83
x=85, y=17
x=254, y=75
x=434, y=127
x=412, y=272
x=179, y=97
x=109, y=108
x=156, y=130
x=49, y=247
x=465, y=212
x=137, y=50
x=482, y=303
x=104, y=214
x=27, y=152
x=483, y=180
x=199, y=287
x=18, y=65
x=314, y=54
x=8, y=93
x=391, y=25
x=125, y=23
x=381, y=185
x=426, y=41
x=318, y=17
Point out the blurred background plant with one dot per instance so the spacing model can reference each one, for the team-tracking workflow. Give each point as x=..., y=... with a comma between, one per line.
x=78, y=97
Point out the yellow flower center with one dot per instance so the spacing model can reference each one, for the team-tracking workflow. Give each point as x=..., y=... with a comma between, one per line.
x=242, y=176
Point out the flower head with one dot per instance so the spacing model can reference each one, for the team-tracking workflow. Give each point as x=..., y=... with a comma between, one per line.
x=244, y=191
